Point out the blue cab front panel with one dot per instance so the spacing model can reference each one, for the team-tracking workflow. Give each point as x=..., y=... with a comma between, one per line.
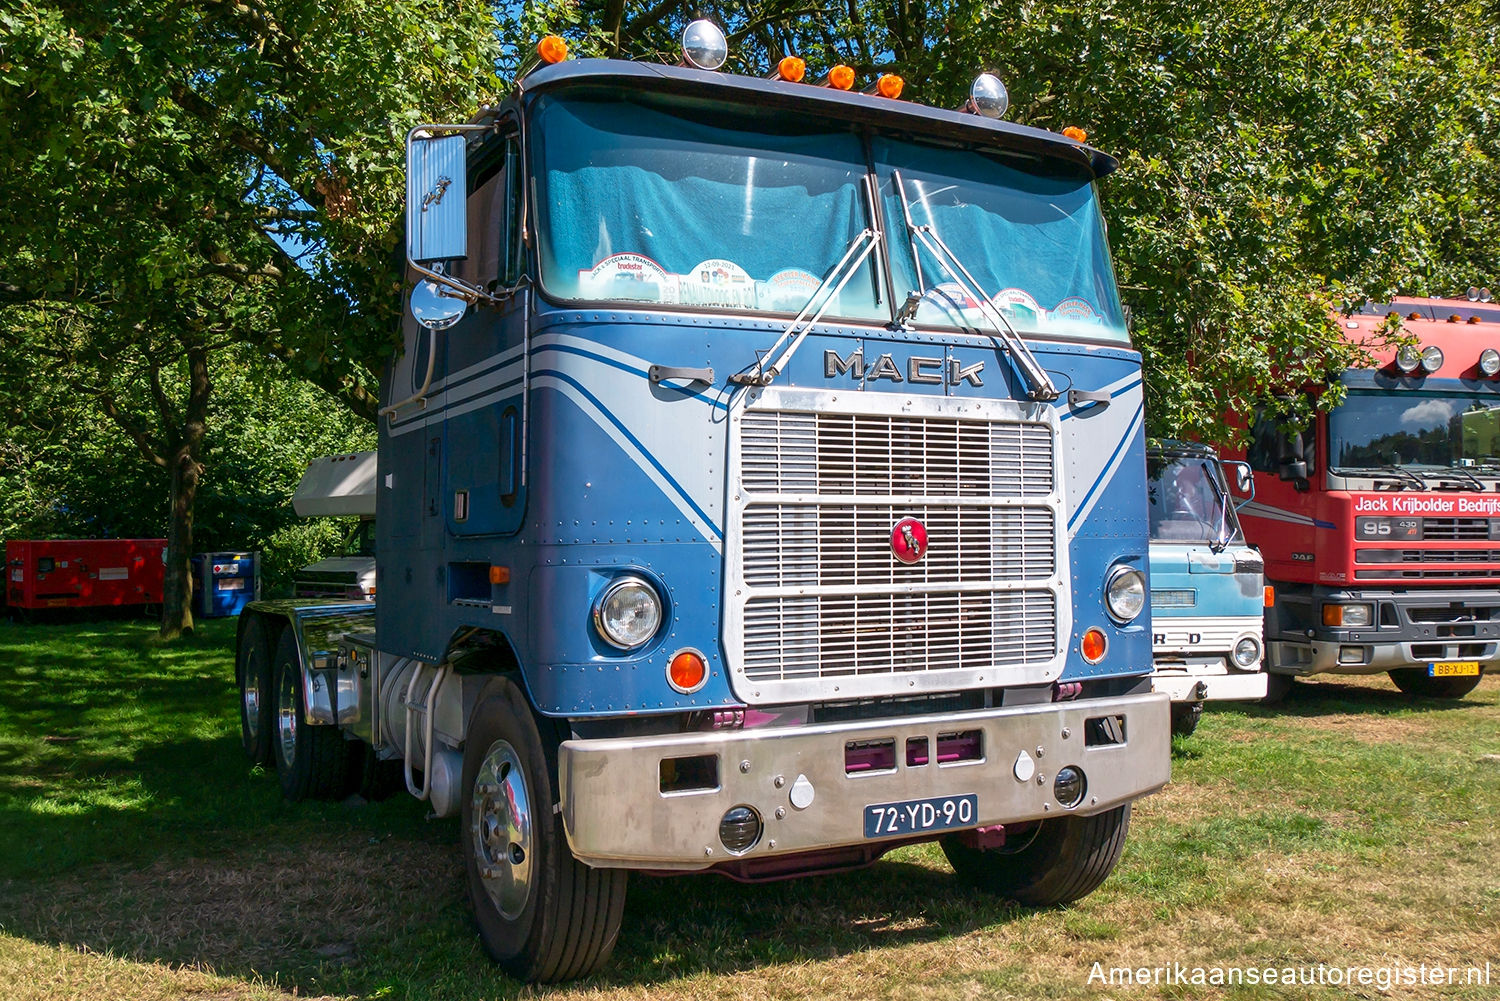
x=566, y=464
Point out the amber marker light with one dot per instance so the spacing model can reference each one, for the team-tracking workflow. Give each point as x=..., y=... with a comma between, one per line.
x=841, y=77
x=687, y=671
x=1270, y=596
x=1093, y=645
x=1076, y=134
x=552, y=49
x=889, y=85
x=791, y=69
x=499, y=575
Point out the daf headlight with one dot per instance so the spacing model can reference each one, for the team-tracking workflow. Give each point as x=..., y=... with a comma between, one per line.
x=1124, y=593
x=627, y=613
x=1247, y=651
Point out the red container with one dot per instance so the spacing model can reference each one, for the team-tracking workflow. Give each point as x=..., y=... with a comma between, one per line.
x=84, y=573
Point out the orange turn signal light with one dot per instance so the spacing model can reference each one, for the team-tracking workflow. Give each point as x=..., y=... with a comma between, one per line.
x=1093, y=645
x=1270, y=596
x=889, y=85
x=841, y=77
x=687, y=671
x=791, y=69
x=1076, y=134
x=552, y=49
x=499, y=575
x=1333, y=615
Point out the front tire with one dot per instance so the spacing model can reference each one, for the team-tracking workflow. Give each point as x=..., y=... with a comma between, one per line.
x=1185, y=717
x=543, y=916
x=1060, y=861
x=311, y=761
x=252, y=670
x=1414, y=681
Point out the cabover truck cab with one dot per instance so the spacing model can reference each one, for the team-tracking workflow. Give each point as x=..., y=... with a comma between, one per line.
x=761, y=487
x=1207, y=587
x=340, y=486
x=1380, y=524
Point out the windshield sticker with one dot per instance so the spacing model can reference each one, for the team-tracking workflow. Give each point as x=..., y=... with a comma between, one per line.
x=716, y=282
x=788, y=290
x=1019, y=308
x=628, y=276
x=1075, y=309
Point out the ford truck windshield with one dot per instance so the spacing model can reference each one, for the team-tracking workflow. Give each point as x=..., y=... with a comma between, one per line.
x=1423, y=434
x=643, y=199
x=1189, y=501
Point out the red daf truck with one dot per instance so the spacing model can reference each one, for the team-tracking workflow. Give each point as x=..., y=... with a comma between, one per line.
x=1380, y=523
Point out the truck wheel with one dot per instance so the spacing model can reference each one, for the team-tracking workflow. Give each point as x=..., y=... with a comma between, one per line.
x=1185, y=717
x=1414, y=681
x=252, y=670
x=543, y=915
x=1059, y=861
x=311, y=761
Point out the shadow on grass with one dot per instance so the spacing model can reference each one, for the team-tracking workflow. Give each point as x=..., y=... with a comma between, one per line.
x=130, y=823
x=1330, y=695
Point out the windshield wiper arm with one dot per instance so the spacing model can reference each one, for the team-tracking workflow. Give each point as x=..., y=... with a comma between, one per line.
x=1411, y=475
x=1391, y=474
x=1042, y=387
x=1473, y=481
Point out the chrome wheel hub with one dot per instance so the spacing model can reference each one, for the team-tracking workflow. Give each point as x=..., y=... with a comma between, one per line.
x=500, y=829
x=251, y=698
x=286, y=716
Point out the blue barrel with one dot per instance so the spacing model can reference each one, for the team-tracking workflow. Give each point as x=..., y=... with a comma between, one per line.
x=224, y=583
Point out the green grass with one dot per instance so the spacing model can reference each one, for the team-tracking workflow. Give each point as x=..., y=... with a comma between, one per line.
x=142, y=858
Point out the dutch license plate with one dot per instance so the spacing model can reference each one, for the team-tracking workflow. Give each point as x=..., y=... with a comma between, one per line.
x=914, y=816
x=1453, y=669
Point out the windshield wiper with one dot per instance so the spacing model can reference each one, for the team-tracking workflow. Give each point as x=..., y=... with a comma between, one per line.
x=1472, y=481
x=1402, y=477
x=1042, y=387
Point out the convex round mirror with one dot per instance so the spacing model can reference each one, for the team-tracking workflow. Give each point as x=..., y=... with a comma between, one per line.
x=434, y=307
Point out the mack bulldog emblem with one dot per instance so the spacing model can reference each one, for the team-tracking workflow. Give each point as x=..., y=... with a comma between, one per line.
x=909, y=540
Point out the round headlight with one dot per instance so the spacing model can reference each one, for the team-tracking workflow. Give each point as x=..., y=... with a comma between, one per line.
x=1246, y=651
x=988, y=96
x=1408, y=358
x=627, y=613
x=1489, y=361
x=1432, y=358
x=1124, y=593
x=704, y=45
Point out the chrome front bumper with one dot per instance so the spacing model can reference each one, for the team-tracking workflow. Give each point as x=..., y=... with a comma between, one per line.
x=617, y=816
x=1207, y=680
x=1322, y=657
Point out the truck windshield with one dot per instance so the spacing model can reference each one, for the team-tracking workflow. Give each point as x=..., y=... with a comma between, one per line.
x=1029, y=231
x=646, y=201
x=1189, y=501
x=1413, y=431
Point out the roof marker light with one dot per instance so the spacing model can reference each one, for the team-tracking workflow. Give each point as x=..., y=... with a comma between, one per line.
x=704, y=46
x=1489, y=362
x=1408, y=358
x=552, y=49
x=1474, y=318
x=1432, y=358
x=1076, y=134
x=889, y=85
x=988, y=97
x=841, y=77
x=790, y=69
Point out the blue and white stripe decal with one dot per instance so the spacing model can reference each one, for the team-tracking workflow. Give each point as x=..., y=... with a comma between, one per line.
x=1097, y=446
x=1255, y=509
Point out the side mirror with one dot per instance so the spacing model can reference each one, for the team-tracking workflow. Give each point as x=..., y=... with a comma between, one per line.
x=436, y=198
x=1296, y=470
x=1244, y=481
x=435, y=307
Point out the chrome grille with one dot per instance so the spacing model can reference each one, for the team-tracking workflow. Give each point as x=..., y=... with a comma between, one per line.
x=817, y=591
x=834, y=544
x=832, y=636
x=1173, y=597
x=866, y=455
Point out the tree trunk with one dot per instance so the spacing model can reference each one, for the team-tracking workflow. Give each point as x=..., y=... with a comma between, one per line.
x=177, y=589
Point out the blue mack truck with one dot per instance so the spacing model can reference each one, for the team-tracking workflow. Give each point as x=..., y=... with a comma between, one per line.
x=760, y=488
x=1208, y=594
